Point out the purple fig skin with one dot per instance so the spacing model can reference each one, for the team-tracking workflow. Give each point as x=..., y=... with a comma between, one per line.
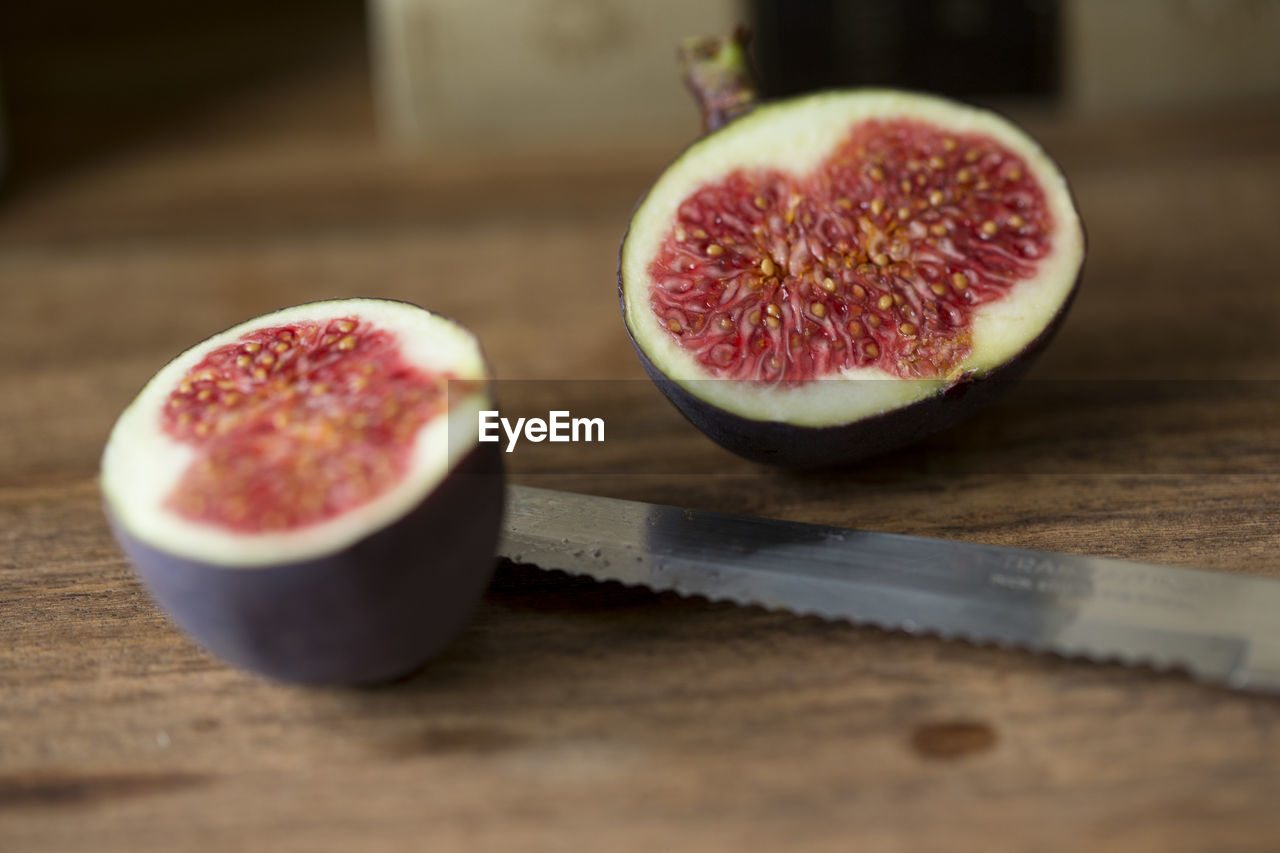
x=371, y=613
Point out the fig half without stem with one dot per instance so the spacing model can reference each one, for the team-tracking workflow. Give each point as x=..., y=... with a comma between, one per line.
x=305, y=493
x=825, y=278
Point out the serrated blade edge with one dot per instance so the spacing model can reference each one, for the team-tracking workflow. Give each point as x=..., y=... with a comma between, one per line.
x=1219, y=627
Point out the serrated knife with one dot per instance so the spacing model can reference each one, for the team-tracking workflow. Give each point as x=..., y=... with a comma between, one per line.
x=1218, y=627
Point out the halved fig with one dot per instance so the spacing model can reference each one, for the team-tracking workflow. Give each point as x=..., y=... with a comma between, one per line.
x=305, y=494
x=829, y=277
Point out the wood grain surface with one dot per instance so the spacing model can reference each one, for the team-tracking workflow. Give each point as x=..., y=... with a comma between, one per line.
x=571, y=715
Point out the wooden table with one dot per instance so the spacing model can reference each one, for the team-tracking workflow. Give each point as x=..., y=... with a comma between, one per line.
x=577, y=716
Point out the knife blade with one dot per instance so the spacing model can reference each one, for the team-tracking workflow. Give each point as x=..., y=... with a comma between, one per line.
x=1218, y=627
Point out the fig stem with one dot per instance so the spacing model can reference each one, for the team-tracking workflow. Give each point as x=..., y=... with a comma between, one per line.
x=718, y=73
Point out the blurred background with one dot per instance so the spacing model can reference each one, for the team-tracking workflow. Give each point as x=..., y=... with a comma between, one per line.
x=82, y=79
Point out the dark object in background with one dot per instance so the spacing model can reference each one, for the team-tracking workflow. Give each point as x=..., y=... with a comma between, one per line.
x=974, y=49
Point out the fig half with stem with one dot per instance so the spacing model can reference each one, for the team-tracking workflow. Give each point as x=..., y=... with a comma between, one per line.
x=828, y=277
x=305, y=493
